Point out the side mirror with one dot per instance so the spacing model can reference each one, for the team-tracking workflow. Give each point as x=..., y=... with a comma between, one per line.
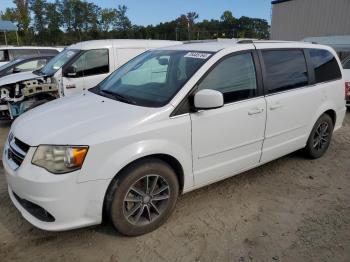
x=16, y=70
x=208, y=99
x=70, y=72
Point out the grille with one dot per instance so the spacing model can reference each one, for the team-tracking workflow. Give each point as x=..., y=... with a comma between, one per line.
x=17, y=151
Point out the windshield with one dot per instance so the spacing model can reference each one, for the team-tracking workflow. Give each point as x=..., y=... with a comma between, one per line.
x=9, y=64
x=58, y=61
x=154, y=77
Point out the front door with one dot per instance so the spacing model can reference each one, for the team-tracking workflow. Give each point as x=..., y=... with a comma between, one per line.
x=228, y=140
x=91, y=67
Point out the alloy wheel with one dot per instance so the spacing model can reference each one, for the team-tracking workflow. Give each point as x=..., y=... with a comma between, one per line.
x=321, y=136
x=146, y=200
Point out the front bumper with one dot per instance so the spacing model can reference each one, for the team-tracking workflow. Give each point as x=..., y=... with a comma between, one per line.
x=71, y=204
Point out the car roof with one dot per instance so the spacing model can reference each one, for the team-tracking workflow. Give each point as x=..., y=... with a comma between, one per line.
x=9, y=47
x=122, y=43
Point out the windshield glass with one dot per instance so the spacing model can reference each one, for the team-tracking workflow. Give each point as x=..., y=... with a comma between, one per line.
x=154, y=77
x=10, y=64
x=58, y=61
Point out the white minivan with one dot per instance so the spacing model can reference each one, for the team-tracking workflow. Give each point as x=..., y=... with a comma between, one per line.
x=78, y=67
x=167, y=122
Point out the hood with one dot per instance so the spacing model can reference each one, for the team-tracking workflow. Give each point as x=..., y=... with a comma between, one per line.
x=14, y=78
x=82, y=119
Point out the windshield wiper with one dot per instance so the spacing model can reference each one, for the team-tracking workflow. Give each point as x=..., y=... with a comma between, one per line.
x=118, y=97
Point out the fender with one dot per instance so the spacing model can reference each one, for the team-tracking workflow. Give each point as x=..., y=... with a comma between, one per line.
x=126, y=155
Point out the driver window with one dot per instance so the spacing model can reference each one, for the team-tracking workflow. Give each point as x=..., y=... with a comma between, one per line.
x=92, y=62
x=234, y=77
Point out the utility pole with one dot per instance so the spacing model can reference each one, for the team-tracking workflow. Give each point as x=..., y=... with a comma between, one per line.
x=188, y=29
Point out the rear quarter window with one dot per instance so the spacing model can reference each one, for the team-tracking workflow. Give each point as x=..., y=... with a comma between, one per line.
x=325, y=65
x=15, y=53
x=4, y=56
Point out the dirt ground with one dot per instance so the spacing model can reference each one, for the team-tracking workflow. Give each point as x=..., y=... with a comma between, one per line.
x=292, y=209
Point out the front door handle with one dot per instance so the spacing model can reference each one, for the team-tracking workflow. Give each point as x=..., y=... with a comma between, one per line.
x=275, y=106
x=255, y=111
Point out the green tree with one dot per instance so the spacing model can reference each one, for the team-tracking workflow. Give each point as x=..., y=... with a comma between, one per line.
x=122, y=23
x=38, y=9
x=53, y=19
x=22, y=15
x=107, y=18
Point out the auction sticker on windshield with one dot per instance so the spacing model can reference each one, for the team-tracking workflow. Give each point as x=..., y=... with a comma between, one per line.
x=197, y=55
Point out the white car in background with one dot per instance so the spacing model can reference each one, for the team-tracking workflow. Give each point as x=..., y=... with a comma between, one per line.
x=9, y=53
x=346, y=66
x=168, y=122
x=77, y=68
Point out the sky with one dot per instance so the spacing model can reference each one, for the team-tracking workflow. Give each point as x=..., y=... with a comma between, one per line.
x=145, y=12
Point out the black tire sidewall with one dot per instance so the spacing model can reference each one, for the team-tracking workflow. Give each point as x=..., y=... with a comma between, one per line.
x=310, y=150
x=126, y=179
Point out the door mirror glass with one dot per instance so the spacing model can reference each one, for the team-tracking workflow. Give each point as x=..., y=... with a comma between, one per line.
x=70, y=72
x=208, y=99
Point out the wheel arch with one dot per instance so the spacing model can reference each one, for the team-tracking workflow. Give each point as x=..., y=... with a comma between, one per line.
x=170, y=160
x=332, y=113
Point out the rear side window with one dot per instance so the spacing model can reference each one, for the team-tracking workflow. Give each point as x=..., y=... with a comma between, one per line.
x=23, y=52
x=285, y=70
x=325, y=64
x=234, y=77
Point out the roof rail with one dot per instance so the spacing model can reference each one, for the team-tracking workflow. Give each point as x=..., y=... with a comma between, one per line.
x=245, y=41
x=200, y=41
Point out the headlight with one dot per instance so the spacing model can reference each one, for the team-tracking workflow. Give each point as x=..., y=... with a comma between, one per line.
x=60, y=159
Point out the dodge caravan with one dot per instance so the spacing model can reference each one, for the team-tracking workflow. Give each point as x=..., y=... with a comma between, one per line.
x=167, y=122
x=78, y=67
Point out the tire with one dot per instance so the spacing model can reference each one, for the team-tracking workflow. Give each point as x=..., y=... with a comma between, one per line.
x=135, y=208
x=320, y=137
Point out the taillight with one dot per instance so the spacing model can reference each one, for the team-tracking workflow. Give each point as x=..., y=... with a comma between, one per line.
x=347, y=90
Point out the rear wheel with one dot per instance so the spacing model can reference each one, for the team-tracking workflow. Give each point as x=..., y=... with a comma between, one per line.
x=320, y=137
x=143, y=197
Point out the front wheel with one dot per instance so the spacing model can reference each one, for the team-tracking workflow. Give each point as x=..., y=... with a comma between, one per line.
x=143, y=197
x=320, y=137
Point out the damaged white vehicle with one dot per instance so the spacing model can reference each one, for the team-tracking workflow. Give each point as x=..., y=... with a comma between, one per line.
x=78, y=67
